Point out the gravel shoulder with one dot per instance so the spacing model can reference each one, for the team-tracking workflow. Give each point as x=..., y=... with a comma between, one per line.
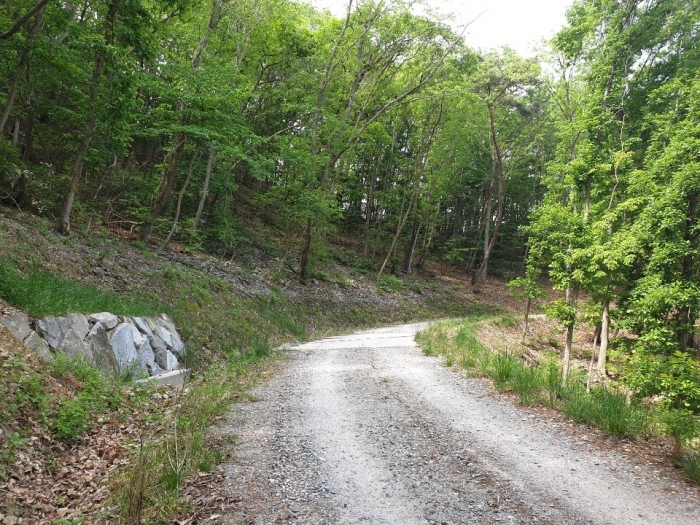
x=364, y=429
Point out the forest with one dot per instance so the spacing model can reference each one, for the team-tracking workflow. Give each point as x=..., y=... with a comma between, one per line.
x=175, y=120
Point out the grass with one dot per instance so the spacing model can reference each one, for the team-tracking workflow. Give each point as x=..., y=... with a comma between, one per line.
x=41, y=294
x=607, y=410
x=149, y=489
x=537, y=383
x=690, y=463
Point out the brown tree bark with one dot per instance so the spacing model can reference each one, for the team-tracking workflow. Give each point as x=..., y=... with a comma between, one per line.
x=171, y=174
x=500, y=171
x=23, y=64
x=205, y=189
x=571, y=299
x=23, y=19
x=88, y=134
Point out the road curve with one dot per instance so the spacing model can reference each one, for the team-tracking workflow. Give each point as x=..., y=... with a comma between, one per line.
x=364, y=429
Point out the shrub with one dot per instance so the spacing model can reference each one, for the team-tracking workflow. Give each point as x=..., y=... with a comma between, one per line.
x=681, y=425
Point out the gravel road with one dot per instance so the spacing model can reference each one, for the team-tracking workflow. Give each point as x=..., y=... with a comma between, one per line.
x=364, y=429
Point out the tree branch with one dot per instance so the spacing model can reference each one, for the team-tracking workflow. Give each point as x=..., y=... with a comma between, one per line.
x=21, y=21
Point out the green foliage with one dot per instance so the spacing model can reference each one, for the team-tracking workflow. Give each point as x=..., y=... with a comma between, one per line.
x=72, y=420
x=675, y=378
x=690, y=463
x=527, y=383
x=562, y=311
x=23, y=394
x=504, y=369
x=682, y=425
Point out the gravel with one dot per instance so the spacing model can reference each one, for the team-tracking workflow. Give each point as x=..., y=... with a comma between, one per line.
x=364, y=429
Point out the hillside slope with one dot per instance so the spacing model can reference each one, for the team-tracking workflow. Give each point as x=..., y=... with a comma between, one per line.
x=231, y=313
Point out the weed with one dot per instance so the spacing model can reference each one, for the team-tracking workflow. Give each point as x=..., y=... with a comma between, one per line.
x=690, y=463
x=98, y=395
x=528, y=383
x=506, y=321
x=72, y=420
x=553, y=381
x=504, y=369
x=606, y=409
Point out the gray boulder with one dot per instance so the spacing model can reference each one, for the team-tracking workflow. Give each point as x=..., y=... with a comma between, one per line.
x=122, y=340
x=172, y=361
x=165, y=329
x=79, y=324
x=53, y=330
x=139, y=338
x=73, y=346
x=148, y=359
x=37, y=343
x=160, y=352
x=142, y=324
x=101, y=349
x=18, y=325
x=106, y=319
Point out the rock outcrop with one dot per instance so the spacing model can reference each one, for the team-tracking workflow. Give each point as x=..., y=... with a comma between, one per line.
x=138, y=346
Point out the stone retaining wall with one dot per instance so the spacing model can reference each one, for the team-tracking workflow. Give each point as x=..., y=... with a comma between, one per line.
x=117, y=345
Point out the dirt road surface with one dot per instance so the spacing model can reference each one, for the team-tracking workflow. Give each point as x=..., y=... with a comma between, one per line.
x=364, y=429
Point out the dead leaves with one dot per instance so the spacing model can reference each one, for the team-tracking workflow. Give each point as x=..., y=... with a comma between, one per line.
x=68, y=485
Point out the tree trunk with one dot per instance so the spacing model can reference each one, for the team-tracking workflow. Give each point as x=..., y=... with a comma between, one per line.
x=498, y=167
x=23, y=63
x=303, y=265
x=166, y=188
x=591, y=364
x=572, y=297
x=604, y=337
x=412, y=249
x=64, y=217
x=368, y=220
x=179, y=202
x=527, y=319
x=399, y=229
x=205, y=190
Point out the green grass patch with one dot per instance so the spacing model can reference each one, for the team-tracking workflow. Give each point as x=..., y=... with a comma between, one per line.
x=98, y=395
x=40, y=294
x=607, y=410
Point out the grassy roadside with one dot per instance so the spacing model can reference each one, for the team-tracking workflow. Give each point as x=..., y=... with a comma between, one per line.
x=230, y=319
x=539, y=383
